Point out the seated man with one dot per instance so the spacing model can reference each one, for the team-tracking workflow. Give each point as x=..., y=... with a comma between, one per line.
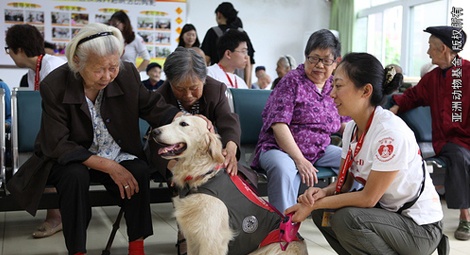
x=233, y=51
x=446, y=91
x=154, y=71
x=263, y=78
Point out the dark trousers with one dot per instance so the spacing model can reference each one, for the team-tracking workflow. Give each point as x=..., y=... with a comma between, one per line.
x=73, y=182
x=457, y=180
x=377, y=231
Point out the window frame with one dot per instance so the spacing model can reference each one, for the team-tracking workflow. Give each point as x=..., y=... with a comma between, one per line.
x=406, y=33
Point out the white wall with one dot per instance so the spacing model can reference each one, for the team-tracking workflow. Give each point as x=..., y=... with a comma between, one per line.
x=275, y=27
x=12, y=76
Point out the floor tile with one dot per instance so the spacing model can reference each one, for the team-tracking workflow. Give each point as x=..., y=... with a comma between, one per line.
x=16, y=229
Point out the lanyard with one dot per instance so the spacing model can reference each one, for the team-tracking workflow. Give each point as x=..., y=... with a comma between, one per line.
x=228, y=78
x=38, y=69
x=350, y=156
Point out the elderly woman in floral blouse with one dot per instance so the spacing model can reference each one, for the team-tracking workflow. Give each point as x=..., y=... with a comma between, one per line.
x=299, y=118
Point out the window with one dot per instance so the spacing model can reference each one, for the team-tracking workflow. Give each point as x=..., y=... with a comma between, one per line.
x=418, y=40
x=392, y=30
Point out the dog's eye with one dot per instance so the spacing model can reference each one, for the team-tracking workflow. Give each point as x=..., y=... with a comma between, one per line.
x=183, y=124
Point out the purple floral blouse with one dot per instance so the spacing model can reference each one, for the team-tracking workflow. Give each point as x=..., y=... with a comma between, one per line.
x=310, y=114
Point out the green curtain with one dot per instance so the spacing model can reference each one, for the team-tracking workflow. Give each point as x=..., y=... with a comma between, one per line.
x=342, y=19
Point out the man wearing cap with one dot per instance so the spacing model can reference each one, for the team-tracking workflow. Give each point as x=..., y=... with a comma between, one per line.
x=154, y=71
x=446, y=90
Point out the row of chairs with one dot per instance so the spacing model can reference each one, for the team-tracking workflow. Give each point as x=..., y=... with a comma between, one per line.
x=248, y=104
x=26, y=120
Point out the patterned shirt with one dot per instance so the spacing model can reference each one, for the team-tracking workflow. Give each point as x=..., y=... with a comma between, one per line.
x=103, y=143
x=310, y=114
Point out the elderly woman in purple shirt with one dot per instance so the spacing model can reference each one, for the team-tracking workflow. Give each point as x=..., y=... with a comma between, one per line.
x=298, y=119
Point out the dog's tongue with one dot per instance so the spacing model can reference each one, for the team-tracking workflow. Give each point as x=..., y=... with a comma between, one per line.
x=171, y=149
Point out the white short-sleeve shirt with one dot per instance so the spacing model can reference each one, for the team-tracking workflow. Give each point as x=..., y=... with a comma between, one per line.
x=134, y=49
x=390, y=145
x=48, y=64
x=217, y=73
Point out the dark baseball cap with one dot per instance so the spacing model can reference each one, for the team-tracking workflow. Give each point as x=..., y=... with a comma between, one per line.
x=447, y=34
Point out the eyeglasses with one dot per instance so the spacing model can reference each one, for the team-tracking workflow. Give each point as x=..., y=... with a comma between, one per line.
x=7, y=50
x=244, y=52
x=325, y=61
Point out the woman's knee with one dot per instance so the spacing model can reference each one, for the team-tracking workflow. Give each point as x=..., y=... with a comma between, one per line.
x=74, y=173
x=344, y=220
x=277, y=163
x=139, y=169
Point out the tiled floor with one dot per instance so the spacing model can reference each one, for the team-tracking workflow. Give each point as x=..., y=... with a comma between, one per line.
x=16, y=229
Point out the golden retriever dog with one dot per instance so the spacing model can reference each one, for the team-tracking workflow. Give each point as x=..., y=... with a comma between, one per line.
x=210, y=225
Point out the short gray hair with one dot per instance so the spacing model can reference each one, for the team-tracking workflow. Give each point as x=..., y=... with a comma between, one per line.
x=94, y=38
x=323, y=39
x=184, y=63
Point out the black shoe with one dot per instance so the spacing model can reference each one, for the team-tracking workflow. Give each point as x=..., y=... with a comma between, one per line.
x=463, y=231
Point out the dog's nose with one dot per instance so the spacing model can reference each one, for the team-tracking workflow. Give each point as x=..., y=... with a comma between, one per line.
x=156, y=132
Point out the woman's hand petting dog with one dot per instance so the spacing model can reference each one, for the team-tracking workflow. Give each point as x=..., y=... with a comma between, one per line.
x=210, y=127
x=230, y=154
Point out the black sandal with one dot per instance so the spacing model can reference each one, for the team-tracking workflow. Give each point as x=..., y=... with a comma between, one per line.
x=181, y=244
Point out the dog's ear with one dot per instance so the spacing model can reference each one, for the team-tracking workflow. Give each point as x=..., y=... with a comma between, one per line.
x=214, y=147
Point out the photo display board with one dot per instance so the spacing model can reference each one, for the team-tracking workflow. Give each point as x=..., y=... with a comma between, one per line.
x=158, y=22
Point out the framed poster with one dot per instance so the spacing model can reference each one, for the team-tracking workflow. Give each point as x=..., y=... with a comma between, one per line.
x=158, y=22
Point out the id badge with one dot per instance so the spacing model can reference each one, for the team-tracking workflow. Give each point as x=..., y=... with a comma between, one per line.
x=327, y=214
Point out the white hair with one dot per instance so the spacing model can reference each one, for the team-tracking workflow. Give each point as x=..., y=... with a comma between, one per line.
x=94, y=38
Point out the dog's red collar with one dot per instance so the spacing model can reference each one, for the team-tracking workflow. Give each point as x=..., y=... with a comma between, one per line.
x=190, y=177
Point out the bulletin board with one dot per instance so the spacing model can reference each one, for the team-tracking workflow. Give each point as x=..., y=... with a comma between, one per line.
x=158, y=22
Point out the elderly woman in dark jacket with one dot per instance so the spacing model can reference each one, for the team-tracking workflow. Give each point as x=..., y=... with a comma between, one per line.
x=190, y=89
x=90, y=131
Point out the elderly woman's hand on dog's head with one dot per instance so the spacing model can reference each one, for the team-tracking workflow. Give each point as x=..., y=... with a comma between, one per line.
x=210, y=127
x=209, y=123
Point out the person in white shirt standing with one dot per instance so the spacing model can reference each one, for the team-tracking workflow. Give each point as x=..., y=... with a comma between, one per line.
x=233, y=51
x=134, y=44
x=25, y=45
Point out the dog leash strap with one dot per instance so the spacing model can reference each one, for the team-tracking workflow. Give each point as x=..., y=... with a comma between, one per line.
x=288, y=231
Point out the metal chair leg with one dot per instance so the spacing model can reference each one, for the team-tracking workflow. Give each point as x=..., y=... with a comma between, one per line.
x=107, y=251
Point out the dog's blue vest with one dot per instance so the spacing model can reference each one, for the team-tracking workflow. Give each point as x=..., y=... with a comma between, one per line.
x=251, y=217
